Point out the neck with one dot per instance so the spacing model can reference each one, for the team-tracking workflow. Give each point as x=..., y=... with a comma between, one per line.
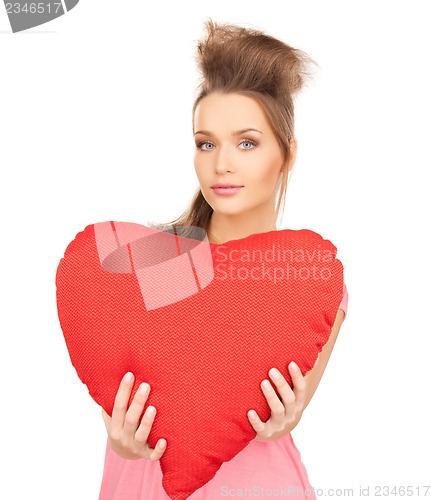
x=224, y=228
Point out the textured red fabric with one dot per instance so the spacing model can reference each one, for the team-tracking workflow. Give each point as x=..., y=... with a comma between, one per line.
x=201, y=323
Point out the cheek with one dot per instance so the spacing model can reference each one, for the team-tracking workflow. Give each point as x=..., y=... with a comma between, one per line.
x=203, y=174
x=266, y=171
x=200, y=170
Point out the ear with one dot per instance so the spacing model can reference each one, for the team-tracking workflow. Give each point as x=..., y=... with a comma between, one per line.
x=293, y=153
x=293, y=149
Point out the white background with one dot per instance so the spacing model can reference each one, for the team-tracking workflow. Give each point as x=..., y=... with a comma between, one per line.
x=95, y=125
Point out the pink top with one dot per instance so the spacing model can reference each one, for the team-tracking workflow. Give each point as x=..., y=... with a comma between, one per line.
x=259, y=467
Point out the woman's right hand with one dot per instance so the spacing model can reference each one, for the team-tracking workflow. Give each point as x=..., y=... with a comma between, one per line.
x=124, y=436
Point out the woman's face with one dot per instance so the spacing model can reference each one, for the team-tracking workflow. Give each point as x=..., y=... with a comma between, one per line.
x=251, y=159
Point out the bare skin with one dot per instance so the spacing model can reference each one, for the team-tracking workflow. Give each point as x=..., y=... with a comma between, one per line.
x=252, y=160
x=125, y=437
x=226, y=158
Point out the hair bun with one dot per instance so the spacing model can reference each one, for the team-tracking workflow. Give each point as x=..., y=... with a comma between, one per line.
x=232, y=57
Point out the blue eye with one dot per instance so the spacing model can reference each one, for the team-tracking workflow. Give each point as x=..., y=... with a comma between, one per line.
x=254, y=143
x=201, y=144
x=245, y=141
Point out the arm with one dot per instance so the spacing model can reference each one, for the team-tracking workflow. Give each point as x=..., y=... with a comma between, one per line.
x=312, y=377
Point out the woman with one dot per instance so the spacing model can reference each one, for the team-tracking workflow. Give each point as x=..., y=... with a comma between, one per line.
x=243, y=127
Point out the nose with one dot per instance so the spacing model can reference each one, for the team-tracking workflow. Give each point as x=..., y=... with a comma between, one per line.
x=223, y=161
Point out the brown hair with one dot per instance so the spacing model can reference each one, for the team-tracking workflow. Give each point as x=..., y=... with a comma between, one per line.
x=246, y=61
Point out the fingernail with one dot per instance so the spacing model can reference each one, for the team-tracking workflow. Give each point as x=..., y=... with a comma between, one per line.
x=143, y=388
x=252, y=414
x=162, y=443
x=274, y=373
x=128, y=377
x=266, y=385
x=150, y=411
x=294, y=366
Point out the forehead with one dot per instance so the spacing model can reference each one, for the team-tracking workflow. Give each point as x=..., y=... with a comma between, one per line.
x=222, y=113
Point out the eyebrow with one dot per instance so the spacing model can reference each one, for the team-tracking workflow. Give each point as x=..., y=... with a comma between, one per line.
x=238, y=132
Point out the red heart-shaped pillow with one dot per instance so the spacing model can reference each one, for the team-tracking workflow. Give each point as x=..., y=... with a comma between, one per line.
x=201, y=323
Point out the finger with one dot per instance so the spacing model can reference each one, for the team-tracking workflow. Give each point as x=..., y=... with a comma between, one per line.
x=256, y=422
x=121, y=402
x=144, y=429
x=299, y=384
x=288, y=396
x=131, y=420
x=157, y=452
x=277, y=407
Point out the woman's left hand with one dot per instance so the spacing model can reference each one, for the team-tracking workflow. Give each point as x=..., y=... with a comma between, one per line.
x=284, y=412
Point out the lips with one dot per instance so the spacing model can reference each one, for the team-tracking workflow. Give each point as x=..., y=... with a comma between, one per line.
x=225, y=186
x=227, y=191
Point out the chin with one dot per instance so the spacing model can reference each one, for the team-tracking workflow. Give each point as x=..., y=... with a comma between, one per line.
x=230, y=211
